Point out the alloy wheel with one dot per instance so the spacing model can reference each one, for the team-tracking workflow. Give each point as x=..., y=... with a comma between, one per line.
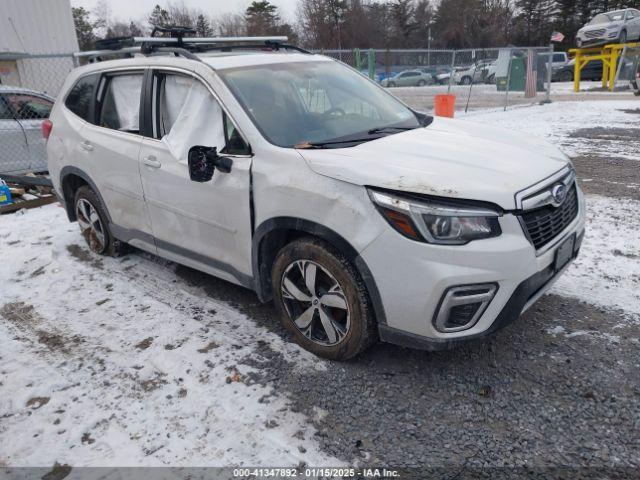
x=315, y=302
x=91, y=225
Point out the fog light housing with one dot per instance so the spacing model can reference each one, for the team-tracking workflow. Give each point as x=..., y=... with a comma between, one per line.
x=461, y=307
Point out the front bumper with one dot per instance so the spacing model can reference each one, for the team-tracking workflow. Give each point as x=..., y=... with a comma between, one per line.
x=583, y=41
x=412, y=281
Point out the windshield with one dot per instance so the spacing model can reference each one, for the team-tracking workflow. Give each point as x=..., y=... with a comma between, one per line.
x=315, y=102
x=607, y=17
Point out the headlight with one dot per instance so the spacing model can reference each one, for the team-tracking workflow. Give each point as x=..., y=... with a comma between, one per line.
x=436, y=221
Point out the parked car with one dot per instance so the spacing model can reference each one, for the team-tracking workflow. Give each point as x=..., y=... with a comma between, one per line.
x=618, y=26
x=408, y=78
x=439, y=73
x=591, y=71
x=294, y=175
x=483, y=71
x=22, y=148
x=558, y=61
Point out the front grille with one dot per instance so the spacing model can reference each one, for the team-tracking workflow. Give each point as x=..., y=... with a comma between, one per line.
x=545, y=223
x=594, y=33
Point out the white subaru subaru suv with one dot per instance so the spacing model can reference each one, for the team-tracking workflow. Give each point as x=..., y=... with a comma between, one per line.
x=293, y=175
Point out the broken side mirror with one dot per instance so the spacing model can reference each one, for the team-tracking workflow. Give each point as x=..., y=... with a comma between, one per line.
x=204, y=160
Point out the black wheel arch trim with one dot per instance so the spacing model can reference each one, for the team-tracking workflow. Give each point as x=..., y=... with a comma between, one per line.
x=63, y=195
x=262, y=273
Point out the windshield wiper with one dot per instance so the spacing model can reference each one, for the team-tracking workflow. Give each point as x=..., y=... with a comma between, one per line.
x=308, y=145
x=374, y=131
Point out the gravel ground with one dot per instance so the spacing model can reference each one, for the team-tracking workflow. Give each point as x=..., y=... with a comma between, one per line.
x=527, y=396
x=610, y=176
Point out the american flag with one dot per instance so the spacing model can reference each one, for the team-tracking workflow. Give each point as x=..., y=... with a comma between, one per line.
x=531, y=83
x=557, y=37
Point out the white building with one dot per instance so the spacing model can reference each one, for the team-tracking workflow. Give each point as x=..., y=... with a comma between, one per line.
x=37, y=38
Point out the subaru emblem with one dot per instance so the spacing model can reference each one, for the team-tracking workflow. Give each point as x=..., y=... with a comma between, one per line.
x=559, y=193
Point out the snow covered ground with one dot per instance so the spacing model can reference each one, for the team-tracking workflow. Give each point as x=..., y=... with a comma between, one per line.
x=579, y=128
x=109, y=362
x=113, y=362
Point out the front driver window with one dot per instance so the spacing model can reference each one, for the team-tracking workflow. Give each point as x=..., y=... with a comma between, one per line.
x=189, y=115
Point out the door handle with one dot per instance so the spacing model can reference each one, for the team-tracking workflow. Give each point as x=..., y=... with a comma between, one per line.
x=86, y=146
x=151, y=161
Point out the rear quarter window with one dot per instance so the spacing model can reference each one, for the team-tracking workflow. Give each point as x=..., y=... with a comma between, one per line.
x=80, y=99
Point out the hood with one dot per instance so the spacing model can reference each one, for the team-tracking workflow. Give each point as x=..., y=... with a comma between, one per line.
x=449, y=158
x=602, y=26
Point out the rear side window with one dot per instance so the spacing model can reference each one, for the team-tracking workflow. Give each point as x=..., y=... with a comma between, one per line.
x=80, y=98
x=120, y=103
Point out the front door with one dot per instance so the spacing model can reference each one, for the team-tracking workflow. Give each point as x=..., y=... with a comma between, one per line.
x=206, y=225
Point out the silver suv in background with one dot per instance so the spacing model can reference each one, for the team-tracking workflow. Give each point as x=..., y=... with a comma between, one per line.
x=619, y=26
x=22, y=148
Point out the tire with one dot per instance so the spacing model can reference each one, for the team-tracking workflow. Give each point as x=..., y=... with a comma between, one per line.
x=422, y=83
x=94, y=225
x=466, y=80
x=623, y=37
x=391, y=84
x=491, y=79
x=310, y=261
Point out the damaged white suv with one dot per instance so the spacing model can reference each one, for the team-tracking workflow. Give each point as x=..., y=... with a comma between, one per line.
x=293, y=175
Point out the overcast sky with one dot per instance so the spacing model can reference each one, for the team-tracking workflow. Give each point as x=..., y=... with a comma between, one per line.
x=124, y=9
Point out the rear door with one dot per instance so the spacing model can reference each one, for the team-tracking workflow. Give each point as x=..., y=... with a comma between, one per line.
x=110, y=149
x=204, y=225
x=30, y=111
x=14, y=154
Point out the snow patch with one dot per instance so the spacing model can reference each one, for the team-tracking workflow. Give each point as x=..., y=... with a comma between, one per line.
x=116, y=362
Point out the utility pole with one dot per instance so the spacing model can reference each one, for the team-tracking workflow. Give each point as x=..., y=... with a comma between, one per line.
x=429, y=46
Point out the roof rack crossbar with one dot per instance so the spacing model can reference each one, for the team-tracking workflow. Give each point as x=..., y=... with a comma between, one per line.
x=196, y=40
x=97, y=55
x=178, y=44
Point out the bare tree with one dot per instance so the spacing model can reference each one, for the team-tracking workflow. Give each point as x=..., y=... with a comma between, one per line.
x=232, y=25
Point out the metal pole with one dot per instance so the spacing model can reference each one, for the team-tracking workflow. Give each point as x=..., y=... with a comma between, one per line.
x=549, y=74
x=506, y=97
x=429, y=47
x=453, y=64
x=615, y=79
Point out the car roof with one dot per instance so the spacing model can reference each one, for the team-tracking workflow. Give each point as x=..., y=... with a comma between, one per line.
x=12, y=89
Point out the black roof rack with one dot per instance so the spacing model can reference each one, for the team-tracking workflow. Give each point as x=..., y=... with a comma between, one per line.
x=174, y=40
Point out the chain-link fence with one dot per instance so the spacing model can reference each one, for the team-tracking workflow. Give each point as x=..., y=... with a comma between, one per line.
x=628, y=67
x=28, y=87
x=477, y=77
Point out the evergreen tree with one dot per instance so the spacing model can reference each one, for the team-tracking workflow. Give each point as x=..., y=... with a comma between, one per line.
x=262, y=18
x=84, y=28
x=203, y=27
x=159, y=17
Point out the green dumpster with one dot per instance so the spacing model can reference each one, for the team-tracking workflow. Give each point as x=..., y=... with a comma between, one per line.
x=517, y=80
